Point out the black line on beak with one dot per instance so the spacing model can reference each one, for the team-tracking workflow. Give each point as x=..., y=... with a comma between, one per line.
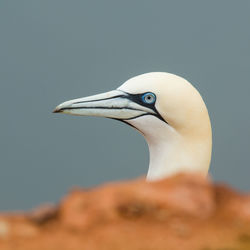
x=132, y=97
x=103, y=99
x=97, y=107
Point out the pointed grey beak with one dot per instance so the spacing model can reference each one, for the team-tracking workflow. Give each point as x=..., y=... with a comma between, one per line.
x=114, y=104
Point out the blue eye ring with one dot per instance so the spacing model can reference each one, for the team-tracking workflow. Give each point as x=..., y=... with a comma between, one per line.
x=148, y=98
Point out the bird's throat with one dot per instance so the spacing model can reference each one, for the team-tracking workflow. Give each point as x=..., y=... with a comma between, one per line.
x=172, y=152
x=177, y=155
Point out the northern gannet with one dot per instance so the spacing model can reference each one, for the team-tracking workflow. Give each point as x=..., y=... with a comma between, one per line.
x=167, y=110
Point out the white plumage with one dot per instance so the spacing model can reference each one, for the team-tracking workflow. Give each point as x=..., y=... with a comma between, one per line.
x=167, y=110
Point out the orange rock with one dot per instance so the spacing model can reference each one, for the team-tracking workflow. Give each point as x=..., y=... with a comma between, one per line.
x=182, y=212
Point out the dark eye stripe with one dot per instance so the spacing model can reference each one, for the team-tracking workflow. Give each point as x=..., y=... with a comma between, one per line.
x=137, y=98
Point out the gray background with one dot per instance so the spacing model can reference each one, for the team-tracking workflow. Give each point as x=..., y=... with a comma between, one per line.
x=55, y=50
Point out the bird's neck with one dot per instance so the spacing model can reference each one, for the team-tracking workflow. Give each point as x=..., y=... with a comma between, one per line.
x=175, y=153
x=172, y=151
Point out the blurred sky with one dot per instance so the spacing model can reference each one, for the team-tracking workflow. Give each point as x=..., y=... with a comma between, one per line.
x=56, y=50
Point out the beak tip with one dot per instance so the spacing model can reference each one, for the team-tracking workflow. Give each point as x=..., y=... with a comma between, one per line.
x=57, y=110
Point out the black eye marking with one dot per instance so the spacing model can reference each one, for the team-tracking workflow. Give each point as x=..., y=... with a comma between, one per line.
x=140, y=99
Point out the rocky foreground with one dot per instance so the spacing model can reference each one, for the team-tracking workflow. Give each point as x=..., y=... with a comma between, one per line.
x=184, y=212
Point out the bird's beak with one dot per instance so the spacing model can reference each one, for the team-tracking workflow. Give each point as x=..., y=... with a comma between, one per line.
x=114, y=104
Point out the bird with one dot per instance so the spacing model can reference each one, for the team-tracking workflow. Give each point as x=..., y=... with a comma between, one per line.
x=167, y=110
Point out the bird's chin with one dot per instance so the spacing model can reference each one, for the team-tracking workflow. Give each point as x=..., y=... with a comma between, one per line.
x=155, y=125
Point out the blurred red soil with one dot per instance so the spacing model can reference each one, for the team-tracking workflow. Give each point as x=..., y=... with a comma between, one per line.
x=182, y=212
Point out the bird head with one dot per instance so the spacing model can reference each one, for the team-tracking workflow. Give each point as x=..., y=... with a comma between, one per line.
x=164, y=107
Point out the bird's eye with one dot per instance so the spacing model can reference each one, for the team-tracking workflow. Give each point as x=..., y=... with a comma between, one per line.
x=148, y=98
